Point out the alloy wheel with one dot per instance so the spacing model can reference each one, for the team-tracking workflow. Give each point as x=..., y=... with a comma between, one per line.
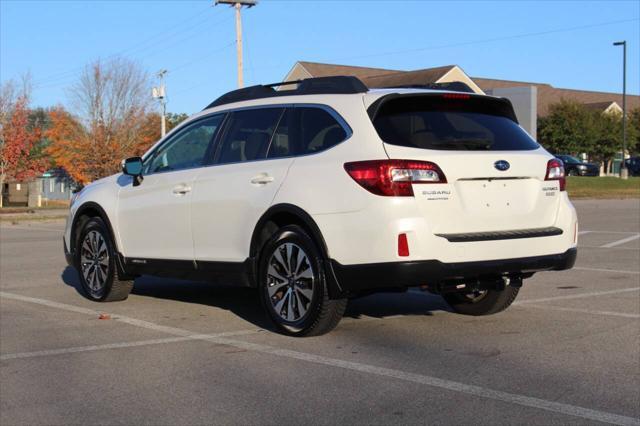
x=290, y=282
x=94, y=262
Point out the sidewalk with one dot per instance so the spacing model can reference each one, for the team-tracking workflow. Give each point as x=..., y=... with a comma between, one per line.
x=14, y=215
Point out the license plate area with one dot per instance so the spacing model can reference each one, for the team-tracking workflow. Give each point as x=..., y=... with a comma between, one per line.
x=496, y=196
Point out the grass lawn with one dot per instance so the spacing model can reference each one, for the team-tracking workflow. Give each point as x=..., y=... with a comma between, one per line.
x=603, y=187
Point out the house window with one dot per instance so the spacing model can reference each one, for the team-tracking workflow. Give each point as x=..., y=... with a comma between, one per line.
x=62, y=187
x=51, y=185
x=18, y=187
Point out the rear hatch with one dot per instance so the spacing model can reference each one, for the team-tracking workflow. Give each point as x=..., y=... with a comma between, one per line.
x=495, y=171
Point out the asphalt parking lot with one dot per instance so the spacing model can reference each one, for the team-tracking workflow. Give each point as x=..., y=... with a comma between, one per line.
x=568, y=351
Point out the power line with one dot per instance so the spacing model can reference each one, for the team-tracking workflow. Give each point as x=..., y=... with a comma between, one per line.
x=489, y=40
x=468, y=43
x=160, y=49
x=144, y=44
x=202, y=58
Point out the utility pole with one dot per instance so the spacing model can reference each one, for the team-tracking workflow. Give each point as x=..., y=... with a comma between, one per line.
x=624, y=173
x=160, y=94
x=237, y=5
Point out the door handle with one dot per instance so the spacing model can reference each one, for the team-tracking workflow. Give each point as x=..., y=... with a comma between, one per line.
x=262, y=179
x=181, y=189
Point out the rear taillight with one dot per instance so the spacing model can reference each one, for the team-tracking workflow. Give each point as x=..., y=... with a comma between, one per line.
x=555, y=171
x=394, y=177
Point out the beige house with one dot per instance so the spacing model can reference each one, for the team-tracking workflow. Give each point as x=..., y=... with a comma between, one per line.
x=530, y=100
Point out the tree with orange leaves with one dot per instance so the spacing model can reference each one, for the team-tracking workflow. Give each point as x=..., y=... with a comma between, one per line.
x=18, y=139
x=113, y=122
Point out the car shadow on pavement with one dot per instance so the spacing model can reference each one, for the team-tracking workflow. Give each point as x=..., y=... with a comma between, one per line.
x=410, y=303
x=245, y=302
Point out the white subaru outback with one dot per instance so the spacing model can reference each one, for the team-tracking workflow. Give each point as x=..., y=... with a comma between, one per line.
x=330, y=190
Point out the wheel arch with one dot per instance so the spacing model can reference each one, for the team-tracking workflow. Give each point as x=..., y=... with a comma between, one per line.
x=289, y=214
x=286, y=214
x=86, y=211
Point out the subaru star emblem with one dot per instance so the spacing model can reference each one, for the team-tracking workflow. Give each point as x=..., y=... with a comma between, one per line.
x=501, y=165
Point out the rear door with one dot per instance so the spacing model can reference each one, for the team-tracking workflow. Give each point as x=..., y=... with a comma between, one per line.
x=495, y=171
x=252, y=160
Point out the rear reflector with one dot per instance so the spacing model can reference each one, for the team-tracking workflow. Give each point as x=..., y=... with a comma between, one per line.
x=394, y=177
x=555, y=171
x=403, y=245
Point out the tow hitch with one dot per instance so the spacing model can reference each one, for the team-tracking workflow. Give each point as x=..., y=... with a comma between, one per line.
x=478, y=284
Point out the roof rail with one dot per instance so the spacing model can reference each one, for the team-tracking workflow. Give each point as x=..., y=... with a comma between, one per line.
x=308, y=86
x=454, y=86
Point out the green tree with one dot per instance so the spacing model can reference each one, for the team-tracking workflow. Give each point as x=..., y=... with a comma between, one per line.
x=608, y=133
x=39, y=123
x=568, y=128
x=633, y=131
x=173, y=119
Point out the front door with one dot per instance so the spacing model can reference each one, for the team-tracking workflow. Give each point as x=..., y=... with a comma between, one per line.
x=154, y=218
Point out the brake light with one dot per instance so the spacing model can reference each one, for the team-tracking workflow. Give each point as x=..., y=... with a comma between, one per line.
x=555, y=171
x=394, y=177
x=456, y=96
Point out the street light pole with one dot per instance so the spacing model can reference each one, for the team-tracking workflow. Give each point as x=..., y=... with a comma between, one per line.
x=237, y=5
x=624, y=173
x=160, y=94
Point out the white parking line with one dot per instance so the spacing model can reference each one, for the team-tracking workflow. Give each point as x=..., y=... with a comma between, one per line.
x=620, y=271
x=120, y=318
x=611, y=248
x=583, y=311
x=477, y=391
x=584, y=232
x=576, y=296
x=121, y=345
x=608, y=232
x=622, y=241
x=32, y=228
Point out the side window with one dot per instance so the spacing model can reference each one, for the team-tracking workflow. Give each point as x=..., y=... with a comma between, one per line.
x=186, y=149
x=281, y=143
x=248, y=134
x=318, y=130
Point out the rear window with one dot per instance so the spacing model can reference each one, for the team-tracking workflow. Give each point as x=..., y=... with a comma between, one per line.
x=248, y=134
x=318, y=130
x=451, y=122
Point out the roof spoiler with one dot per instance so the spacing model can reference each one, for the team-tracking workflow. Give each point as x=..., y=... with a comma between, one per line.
x=308, y=86
x=453, y=86
x=504, y=104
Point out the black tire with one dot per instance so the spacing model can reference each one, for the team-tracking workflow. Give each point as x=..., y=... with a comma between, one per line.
x=572, y=172
x=321, y=314
x=110, y=286
x=488, y=303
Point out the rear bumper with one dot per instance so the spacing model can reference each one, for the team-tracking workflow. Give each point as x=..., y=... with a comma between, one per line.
x=361, y=277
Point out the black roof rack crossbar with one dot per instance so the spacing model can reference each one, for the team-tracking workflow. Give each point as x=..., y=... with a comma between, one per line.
x=309, y=86
x=454, y=86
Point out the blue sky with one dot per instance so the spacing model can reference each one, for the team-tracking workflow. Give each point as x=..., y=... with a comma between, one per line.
x=571, y=46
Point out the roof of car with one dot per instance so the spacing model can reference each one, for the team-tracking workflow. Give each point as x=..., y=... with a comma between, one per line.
x=337, y=85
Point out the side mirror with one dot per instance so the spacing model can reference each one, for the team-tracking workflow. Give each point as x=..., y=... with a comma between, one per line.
x=133, y=167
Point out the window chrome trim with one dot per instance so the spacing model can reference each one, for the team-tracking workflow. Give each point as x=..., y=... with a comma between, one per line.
x=175, y=133
x=334, y=114
x=221, y=136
